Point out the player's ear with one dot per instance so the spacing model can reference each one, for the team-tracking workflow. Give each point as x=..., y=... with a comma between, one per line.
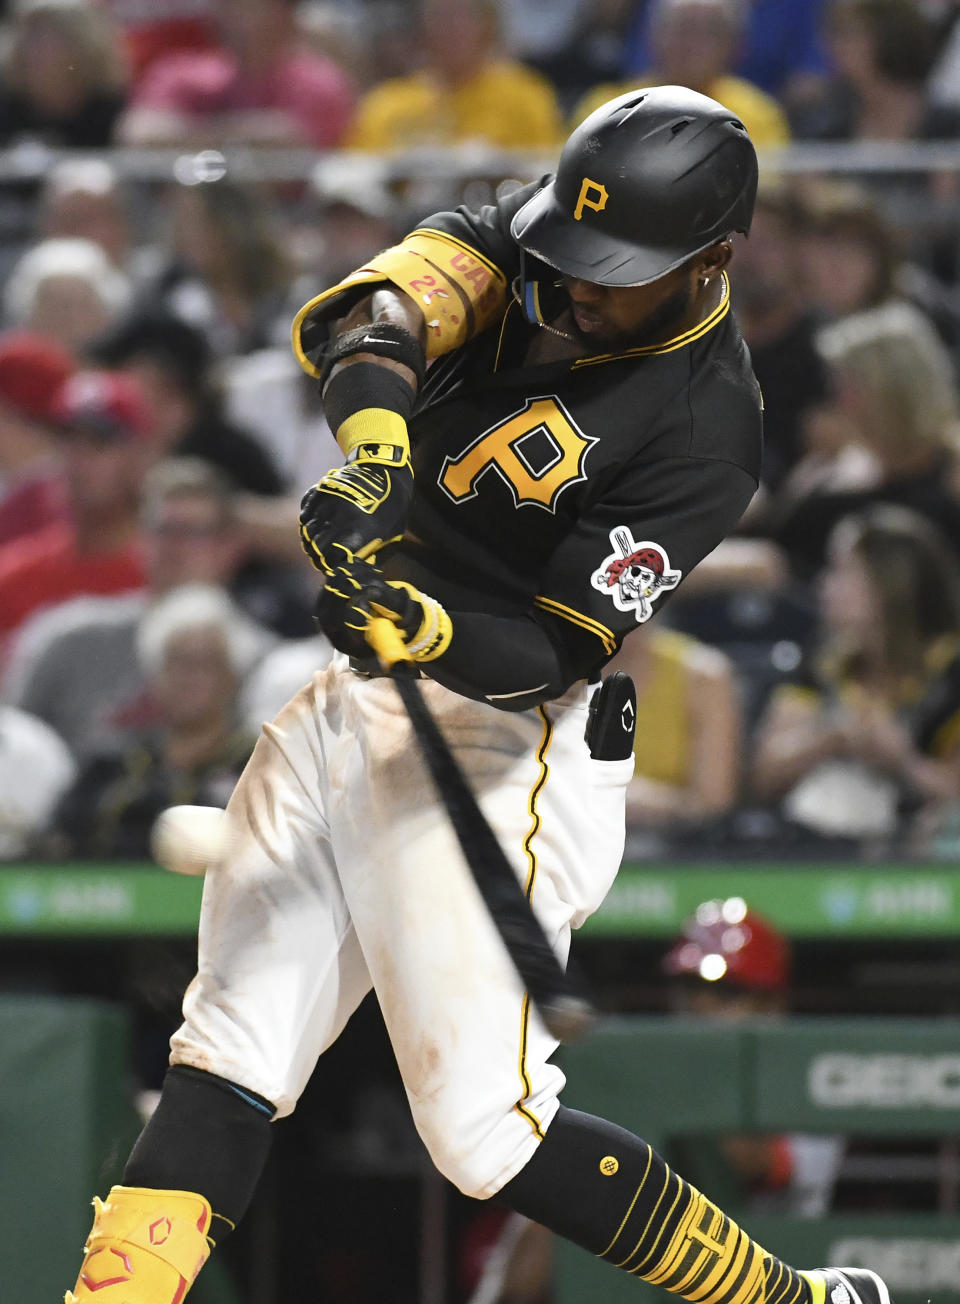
x=712, y=260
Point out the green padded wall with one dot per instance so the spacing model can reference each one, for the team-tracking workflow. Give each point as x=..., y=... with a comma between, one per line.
x=66, y=1126
x=66, y=1123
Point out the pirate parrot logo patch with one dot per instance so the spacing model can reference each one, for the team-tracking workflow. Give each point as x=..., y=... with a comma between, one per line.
x=635, y=574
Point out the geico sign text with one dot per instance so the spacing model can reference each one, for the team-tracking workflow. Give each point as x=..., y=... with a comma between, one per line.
x=843, y=1080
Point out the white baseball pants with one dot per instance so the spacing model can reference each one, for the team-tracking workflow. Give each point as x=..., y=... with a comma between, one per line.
x=345, y=873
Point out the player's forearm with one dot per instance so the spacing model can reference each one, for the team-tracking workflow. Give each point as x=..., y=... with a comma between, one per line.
x=370, y=370
x=370, y=375
x=384, y=307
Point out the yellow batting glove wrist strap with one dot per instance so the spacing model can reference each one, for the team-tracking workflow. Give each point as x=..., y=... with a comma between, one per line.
x=375, y=435
x=435, y=632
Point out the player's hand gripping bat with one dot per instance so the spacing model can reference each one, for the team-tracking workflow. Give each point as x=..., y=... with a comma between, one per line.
x=563, y=1006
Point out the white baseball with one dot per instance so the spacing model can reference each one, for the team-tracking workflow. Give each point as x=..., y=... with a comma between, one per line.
x=189, y=839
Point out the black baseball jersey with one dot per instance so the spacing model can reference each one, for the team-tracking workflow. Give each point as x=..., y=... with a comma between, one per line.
x=582, y=490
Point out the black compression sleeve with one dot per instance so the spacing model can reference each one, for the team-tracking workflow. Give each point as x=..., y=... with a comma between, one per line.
x=512, y=662
x=365, y=385
x=207, y=1135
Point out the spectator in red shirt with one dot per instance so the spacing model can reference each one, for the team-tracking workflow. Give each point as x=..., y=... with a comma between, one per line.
x=107, y=440
x=258, y=87
x=32, y=488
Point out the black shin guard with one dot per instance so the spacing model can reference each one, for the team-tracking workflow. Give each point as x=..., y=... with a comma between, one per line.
x=206, y=1135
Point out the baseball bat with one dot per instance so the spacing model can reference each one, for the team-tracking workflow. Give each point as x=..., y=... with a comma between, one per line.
x=562, y=1004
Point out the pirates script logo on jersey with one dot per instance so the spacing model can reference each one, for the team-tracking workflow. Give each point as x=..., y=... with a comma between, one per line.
x=635, y=574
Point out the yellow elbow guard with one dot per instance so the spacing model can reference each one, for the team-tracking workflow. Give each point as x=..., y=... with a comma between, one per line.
x=459, y=292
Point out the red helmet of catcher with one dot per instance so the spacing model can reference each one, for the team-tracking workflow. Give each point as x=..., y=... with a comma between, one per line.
x=724, y=941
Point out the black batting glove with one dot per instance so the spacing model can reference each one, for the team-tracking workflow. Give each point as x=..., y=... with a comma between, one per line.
x=341, y=610
x=361, y=506
x=356, y=592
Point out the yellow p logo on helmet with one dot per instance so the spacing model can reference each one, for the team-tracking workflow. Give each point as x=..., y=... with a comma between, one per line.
x=592, y=195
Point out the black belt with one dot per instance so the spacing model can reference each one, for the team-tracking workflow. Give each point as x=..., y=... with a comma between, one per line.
x=371, y=668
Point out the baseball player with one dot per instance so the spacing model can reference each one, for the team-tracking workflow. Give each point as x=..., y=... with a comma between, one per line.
x=588, y=429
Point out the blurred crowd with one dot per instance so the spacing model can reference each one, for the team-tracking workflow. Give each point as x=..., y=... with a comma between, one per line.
x=802, y=690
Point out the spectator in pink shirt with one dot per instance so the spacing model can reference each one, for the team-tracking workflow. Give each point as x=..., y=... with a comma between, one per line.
x=258, y=87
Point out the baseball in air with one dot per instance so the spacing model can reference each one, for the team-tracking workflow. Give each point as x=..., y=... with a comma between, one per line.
x=189, y=839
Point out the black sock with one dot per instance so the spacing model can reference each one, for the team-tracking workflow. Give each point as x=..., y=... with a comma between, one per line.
x=609, y=1191
x=206, y=1135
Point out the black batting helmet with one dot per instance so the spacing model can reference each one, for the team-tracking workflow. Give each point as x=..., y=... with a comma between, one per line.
x=645, y=182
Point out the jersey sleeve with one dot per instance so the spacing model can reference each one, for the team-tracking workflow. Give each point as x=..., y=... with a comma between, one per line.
x=635, y=546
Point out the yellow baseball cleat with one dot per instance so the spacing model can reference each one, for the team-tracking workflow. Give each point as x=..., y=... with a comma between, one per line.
x=145, y=1247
